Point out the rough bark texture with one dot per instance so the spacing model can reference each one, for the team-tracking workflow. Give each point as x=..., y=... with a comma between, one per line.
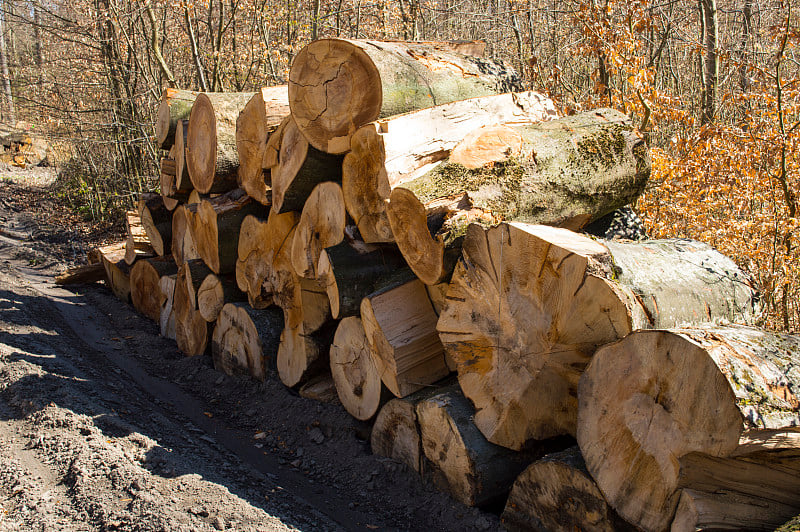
x=529, y=305
x=650, y=400
x=387, y=153
x=337, y=86
x=175, y=105
x=146, y=294
x=86, y=273
x=245, y=340
x=214, y=292
x=157, y=222
x=321, y=225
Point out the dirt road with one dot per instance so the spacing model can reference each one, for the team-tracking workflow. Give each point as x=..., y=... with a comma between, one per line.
x=104, y=425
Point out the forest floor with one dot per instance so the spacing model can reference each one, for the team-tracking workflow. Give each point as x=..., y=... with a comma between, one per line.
x=105, y=425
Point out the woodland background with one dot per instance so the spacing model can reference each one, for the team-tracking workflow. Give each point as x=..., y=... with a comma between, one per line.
x=713, y=83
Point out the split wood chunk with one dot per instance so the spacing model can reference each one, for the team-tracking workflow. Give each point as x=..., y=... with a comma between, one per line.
x=358, y=383
x=170, y=203
x=245, y=340
x=166, y=320
x=300, y=168
x=321, y=225
x=86, y=273
x=191, y=330
x=259, y=243
x=181, y=185
x=157, y=222
x=337, y=86
x=146, y=294
x=400, y=324
x=387, y=153
x=214, y=292
x=529, y=305
x=566, y=172
x=211, y=156
x=321, y=389
x=182, y=245
x=557, y=493
x=254, y=125
x=137, y=244
x=166, y=179
x=216, y=225
x=649, y=400
x=175, y=105
x=272, y=150
x=466, y=465
x=117, y=270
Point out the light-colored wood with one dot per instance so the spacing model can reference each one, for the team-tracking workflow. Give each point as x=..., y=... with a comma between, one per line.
x=650, y=400
x=321, y=226
x=245, y=340
x=400, y=325
x=337, y=86
x=117, y=270
x=181, y=185
x=272, y=150
x=214, y=292
x=321, y=389
x=146, y=294
x=182, y=245
x=156, y=220
x=529, y=305
x=85, y=273
x=137, y=244
x=175, y=105
x=192, y=332
x=166, y=320
x=387, y=153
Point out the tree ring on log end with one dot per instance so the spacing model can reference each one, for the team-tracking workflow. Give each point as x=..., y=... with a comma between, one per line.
x=201, y=144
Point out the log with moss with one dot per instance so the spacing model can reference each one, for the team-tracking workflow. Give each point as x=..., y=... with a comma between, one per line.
x=245, y=340
x=175, y=105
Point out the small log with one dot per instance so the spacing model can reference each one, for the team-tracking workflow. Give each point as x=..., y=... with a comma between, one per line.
x=321, y=225
x=337, y=85
x=245, y=339
x=358, y=383
x=166, y=320
x=117, y=270
x=137, y=244
x=529, y=305
x=157, y=222
x=321, y=389
x=254, y=125
x=192, y=332
x=272, y=150
x=182, y=245
x=211, y=156
x=214, y=292
x=166, y=179
x=401, y=329
x=85, y=273
x=182, y=185
x=175, y=105
x=392, y=151
x=146, y=294
x=651, y=402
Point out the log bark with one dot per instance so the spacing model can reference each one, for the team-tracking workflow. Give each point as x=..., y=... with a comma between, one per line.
x=529, y=305
x=211, y=156
x=86, y=273
x=166, y=320
x=214, y=292
x=650, y=401
x=400, y=324
x=117, y=270
x=157, y=222
x=321, y=226
x=192, y=332
x=337, y=86
x=254, y=125
x=566, y=172
x=245, y=340
x=137, y=244
x=175, y=105
x=146, y=294
x=387, y=153
x=182, y=245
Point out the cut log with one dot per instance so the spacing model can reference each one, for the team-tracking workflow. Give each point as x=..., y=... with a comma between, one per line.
x=259, y=118
x=300, y=168
x=182, y=245
x=557, y=493
x=146, y=294
x=137, y=244
x=337, y=86
x=192, y=332
x=353, y=270
x=166, y=180
x=117, y=270
x=245, y=339
x=650, y=400
x=272, y=150
x=387, y=153
x=216, y=226
x=566, y=172
x=321, y=389
x=211, y=156
x=400, y=324
x=321, y=225
x=214, y=292
x=157, y=222
x=166, y=320
x=358, y=383
x=182, y=185
x=175, y=105
x=85, y=273
x=529, y=305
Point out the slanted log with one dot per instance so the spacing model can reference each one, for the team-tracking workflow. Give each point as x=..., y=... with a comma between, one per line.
x=392, y=151
x=321, y=225
x=529, y=305
x=651, y=402
x=192, y=332
x=211, y=156
x=254, y=125
x=400, y=324
x=146, y=294
x=137, y=244
x=337, y=85
x=245, y=340
x=117, y=270
x=157, y=222
x=175, y=105
x=166, y=320
x=557, y=493
x=182, y=246
x=214, y=292
x=85, y=273
x=566, y=172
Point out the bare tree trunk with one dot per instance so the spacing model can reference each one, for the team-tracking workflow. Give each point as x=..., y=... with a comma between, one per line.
x=201, y=77
x=4, y=72
x=710, y=36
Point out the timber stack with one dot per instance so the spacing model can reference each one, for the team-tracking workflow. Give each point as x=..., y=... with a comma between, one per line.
x=404, y=219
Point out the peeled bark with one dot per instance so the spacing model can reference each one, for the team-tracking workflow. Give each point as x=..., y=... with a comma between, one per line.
x=387, y=153
x=214, y=292
x=655, y=400
x=157, y=222
x=337, y=86
x=529, y=305
x=137, y=245
x=175, y=105
x=117, y=270
x=146, y=294
x=321, y=226
x=245, y=340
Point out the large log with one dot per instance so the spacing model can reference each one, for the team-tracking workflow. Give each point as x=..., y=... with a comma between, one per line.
x=192, y=332
x=137, y=245
x=387, y=153
x=146, y=294
x=321, y=226
x=245, y=340
x=182, y=246
x=211, y=156
x=529, y=305
x=652, y=402
x=157, y=222
x=214, y=292
x=117, y=270
x=566, y=172
x=175, y=105
x=337, y=86
x=254, y=125
x=181, y=185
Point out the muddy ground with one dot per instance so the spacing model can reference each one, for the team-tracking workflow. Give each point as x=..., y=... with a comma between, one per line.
x=104, y=425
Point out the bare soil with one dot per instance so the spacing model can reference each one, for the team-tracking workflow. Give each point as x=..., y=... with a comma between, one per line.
x=104, y=425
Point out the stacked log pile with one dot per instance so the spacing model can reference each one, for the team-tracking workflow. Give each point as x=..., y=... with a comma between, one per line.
x=427, y=260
